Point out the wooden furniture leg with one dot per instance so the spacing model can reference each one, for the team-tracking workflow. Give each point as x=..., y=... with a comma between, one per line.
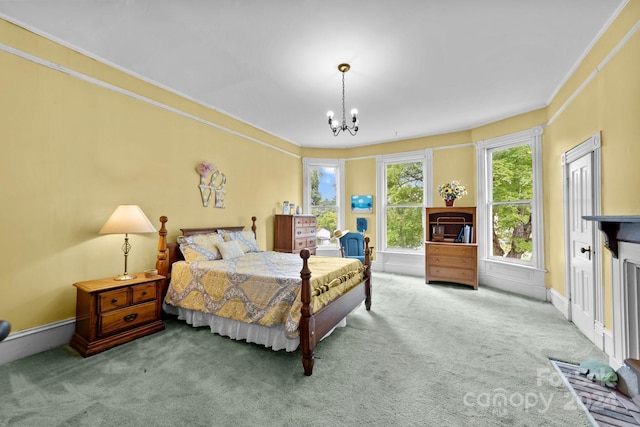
x=307, y=321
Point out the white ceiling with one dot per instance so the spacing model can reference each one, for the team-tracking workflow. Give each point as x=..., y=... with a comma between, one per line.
x=418, y=67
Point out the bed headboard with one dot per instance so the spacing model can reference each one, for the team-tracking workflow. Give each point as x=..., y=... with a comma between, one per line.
x=169, y=252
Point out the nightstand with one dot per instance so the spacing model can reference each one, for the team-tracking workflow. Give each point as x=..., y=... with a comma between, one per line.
x=112, y=312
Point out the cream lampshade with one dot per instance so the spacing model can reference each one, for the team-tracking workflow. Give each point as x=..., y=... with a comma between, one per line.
x=124, y=220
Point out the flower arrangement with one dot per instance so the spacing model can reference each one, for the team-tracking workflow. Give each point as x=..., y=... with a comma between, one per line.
x=452, y=190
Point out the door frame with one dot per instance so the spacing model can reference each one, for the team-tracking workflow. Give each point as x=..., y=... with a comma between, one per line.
x=591, y=146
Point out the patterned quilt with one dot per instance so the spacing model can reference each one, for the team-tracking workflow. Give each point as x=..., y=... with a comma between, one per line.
x=260, y=287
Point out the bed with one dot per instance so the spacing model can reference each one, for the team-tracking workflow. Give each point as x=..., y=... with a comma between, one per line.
x=317, y=304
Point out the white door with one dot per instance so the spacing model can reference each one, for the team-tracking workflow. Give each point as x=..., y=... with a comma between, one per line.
x=581, y=244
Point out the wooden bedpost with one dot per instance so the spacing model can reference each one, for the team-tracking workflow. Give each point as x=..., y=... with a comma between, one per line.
x=162, y=264
x=253, y=226
x=307, y=321
x=367, y=274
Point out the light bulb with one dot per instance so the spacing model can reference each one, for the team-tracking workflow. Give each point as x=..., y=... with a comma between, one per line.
x=354, y=112
x=330, y=114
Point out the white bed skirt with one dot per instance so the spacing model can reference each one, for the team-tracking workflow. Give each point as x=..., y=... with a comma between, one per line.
x=273, y=337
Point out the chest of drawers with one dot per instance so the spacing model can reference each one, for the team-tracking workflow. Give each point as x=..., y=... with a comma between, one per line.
x=451, y=262
x=294, y=232
x=450, y=249
x=111, y=312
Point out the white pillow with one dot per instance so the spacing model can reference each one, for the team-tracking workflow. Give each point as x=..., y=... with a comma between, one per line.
x=230, y=249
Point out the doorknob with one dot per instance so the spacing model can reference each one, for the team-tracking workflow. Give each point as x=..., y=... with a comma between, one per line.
x=587, y=249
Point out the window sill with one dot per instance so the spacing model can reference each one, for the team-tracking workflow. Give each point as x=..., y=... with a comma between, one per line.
x=401, y=252
x=513, y=264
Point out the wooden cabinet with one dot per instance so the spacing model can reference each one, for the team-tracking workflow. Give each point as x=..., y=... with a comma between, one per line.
x=293, y=233
x=111, y=312
x=451, y=252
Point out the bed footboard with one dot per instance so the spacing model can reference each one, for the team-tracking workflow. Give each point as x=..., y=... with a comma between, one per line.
x=314, y=326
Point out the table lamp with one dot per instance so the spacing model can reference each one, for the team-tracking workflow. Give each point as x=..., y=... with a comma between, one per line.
x=124, y=220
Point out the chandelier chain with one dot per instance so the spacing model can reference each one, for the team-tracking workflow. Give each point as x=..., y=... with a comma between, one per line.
x=337, y=127
x=344, y=115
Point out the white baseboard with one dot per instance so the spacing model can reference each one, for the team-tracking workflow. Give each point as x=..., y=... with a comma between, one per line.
x=602, y=337
x=558, y=301
x=599, y=335
x=609, y=350
x=36, y=340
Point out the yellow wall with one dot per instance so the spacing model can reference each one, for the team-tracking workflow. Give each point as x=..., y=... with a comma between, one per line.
x=72, y=150
x=456, y=163
x=360, y=179
x=609, y=102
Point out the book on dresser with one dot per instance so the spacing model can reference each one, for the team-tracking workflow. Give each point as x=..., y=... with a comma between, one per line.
x=292, y=233
x=451, y=251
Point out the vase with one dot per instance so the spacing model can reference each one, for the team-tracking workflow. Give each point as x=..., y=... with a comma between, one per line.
x=449, y=202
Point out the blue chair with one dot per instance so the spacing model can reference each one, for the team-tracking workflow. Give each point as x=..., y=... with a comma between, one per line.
x=352, y=246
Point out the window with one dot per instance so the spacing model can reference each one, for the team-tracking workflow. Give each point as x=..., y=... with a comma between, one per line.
x=402, y=200
x=510, y=201
x=322, y=195
x=509, y=173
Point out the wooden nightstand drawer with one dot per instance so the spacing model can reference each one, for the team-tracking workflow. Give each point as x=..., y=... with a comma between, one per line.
x=145, y=292
x=112, y=312
x=112, y=300
x=127, y=318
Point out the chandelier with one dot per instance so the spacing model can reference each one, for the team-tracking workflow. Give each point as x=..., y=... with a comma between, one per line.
x=336, y=126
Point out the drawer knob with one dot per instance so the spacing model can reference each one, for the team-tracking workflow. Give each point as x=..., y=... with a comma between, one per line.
x=144, y=293
x=130, y=317
x=115, y=300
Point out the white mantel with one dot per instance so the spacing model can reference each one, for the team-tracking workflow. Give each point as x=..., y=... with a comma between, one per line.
x=622, y=238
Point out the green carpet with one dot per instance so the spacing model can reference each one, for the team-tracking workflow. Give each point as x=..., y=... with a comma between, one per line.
x=425, y=355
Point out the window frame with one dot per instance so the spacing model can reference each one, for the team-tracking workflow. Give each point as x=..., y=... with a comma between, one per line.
x=426, y=158
x=309, y=163
x=484, y=151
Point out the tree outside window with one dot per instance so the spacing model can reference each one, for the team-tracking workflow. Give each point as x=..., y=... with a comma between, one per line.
x=404, y=205
x=323, y=199
x=511, y=202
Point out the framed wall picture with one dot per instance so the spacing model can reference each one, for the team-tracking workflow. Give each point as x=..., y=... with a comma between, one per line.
x=362, y=204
